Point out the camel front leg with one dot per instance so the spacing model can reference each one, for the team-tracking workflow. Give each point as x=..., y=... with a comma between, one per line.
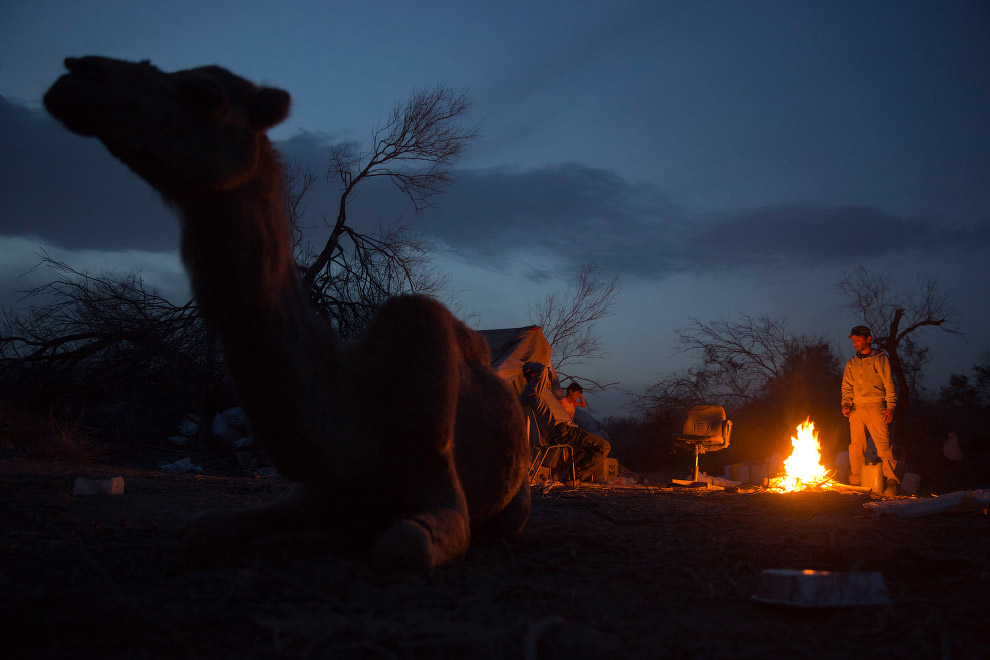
x=436, y=528
x=213, y=536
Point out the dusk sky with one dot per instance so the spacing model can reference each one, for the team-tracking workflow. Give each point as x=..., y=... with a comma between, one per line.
x=722, y=158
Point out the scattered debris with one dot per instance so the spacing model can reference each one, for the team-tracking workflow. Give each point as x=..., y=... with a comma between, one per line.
x=798, y=588
x=910, y=508
x=232, y=426
x=184, y=465
x=910, y=483
x=87, y=486
x=951, y=449
x=627, y=482
x=186, y=431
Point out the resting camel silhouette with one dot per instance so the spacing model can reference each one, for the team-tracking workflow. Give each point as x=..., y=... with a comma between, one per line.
x=418, y=468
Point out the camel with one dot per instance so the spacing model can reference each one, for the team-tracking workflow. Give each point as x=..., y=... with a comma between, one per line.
x=444, y=454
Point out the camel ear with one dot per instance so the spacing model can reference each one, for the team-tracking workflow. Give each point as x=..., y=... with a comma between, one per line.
x=268, y=107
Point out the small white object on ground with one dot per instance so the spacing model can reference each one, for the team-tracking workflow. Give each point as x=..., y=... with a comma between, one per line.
x=799, y=588
x=87, y=486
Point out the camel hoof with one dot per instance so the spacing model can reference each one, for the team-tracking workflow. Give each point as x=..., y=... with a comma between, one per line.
x=406, y=545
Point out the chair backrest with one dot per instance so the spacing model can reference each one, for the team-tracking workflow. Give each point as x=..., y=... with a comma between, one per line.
x=706, y=429
x=705, y=420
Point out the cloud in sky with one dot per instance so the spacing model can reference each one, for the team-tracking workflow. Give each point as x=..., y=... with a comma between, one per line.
x=67, y=190
x=722, y=156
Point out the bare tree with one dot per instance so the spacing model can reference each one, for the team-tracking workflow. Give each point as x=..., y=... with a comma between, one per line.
x=106, y=337
x=364, y=270
x=568, y=320
x=92, y=314
x=299, y=182
x=742, y=359
x=914, y=357
x=679, y=391
x=981, y=370
x=766, y=377
x=348, y=291
x=739, y=356
x=893, y=315
x=414, y=148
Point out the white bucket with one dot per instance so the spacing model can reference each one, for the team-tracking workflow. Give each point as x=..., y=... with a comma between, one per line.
x=909, y=486
x=757, y=475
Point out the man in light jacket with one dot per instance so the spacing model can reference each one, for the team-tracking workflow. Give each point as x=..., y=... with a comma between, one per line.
x=868, y=400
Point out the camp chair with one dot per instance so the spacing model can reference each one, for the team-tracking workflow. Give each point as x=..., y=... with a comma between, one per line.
x=706, y=429
x=542, y=449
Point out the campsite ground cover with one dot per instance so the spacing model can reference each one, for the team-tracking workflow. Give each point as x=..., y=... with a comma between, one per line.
x=599, y=572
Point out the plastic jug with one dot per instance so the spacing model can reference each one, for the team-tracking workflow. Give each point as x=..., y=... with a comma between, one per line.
x=872, y=477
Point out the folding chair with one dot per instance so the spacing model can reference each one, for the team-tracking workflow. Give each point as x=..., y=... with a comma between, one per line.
x=542, y=450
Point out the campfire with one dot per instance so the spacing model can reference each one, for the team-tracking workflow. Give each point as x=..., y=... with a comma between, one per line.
x=803, y=470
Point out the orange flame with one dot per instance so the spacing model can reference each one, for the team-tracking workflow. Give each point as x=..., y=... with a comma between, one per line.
x=803, y=468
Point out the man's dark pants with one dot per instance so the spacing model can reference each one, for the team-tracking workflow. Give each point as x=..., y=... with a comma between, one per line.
x=589, y=449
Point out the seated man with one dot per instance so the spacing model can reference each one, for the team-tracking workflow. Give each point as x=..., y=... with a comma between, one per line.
x=573, y=399
x=589, y=449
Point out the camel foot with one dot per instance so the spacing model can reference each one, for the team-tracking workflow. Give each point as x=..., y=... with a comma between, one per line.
x=510, y=521
x=413, y=544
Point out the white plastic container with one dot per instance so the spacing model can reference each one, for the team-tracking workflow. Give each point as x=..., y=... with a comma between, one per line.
x=909, y=486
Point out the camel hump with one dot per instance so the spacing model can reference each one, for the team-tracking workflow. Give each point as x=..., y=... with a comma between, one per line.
x=473, y=345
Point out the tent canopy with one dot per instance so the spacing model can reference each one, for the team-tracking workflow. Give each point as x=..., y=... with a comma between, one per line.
x=512, y=348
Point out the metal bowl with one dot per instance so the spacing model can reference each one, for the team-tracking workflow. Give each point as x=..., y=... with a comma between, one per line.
x=796, y=588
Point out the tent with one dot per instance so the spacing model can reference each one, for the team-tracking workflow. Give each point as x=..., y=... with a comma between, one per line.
x=511, y=348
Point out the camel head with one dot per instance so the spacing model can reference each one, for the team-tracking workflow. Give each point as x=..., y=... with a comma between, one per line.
x=198, y=129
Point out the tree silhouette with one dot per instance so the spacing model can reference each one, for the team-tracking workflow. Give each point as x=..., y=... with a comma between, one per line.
x=894, y=315
x=414, y=148
x=568, y=321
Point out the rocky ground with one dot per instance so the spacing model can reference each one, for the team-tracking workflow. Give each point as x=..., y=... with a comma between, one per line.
x=599, y=573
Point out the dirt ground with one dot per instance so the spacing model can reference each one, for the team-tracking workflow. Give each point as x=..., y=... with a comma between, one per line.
x=598, y=573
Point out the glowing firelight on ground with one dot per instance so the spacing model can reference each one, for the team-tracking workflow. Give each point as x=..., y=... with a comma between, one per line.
x=803, y=469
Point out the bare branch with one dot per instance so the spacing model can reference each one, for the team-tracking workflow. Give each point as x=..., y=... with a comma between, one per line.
x=568, y=320
x=105, y=336
x=415, y=148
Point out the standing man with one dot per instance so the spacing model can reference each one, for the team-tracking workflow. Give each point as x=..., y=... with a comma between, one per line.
x=589, y=449
x=868, y=400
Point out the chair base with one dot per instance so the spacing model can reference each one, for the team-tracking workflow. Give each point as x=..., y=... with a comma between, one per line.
x=537, y=466
x=687, y=483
